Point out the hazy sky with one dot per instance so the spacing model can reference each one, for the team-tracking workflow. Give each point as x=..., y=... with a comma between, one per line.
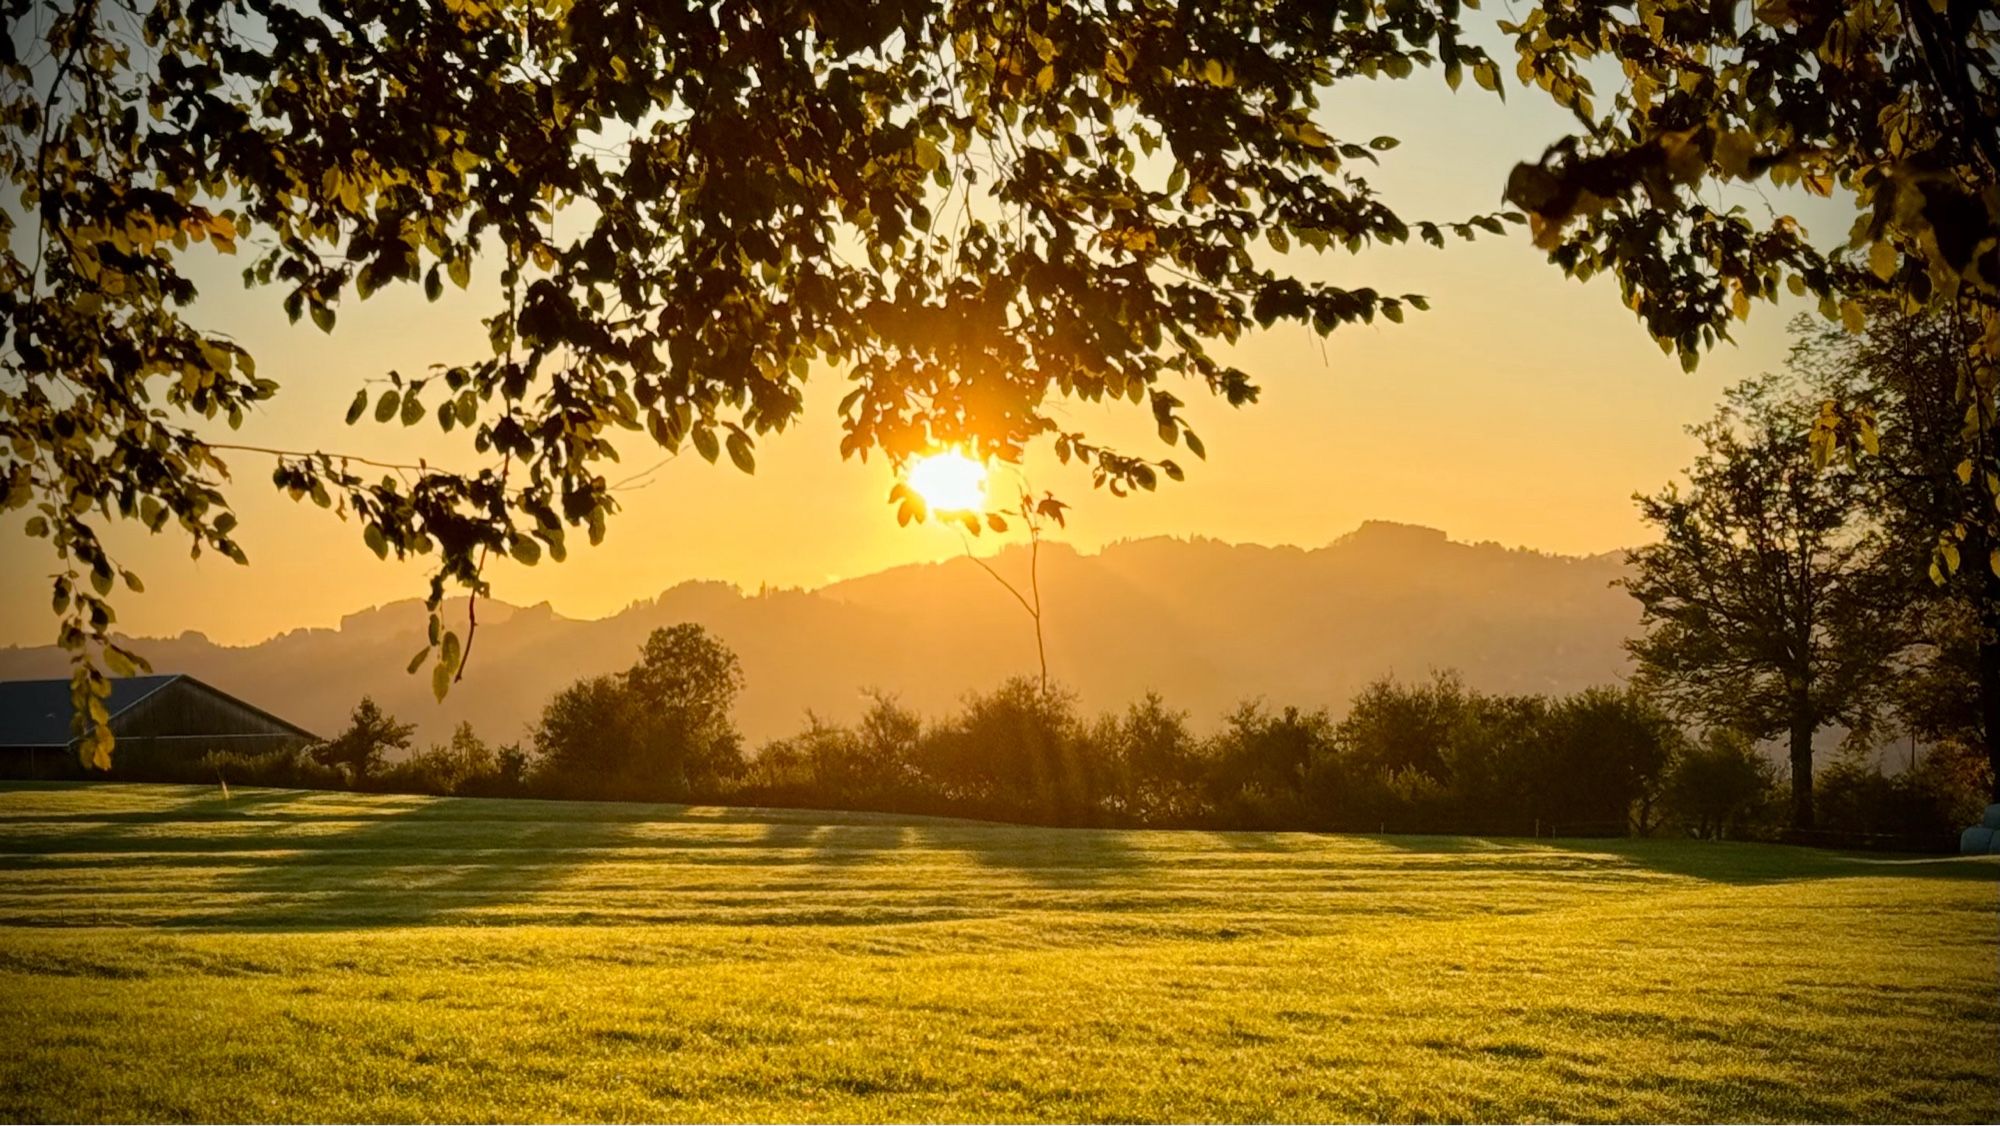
x=1523, y=408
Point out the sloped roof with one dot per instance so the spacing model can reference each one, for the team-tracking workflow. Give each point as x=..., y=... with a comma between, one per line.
x=36, y=713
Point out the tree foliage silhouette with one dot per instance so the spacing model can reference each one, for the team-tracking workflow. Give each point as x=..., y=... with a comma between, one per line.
x=1895, y=103
x=963, y=209
x=371, y=734
x=1767, y=603
x=1905, y=369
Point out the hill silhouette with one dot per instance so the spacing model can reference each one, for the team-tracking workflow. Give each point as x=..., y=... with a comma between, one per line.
x=1206, y=623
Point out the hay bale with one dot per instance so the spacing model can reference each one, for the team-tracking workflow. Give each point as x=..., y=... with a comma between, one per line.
x=1976, y=841
x=1992, y=818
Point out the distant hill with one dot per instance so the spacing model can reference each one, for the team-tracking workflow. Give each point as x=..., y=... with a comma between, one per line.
x=1208, y=624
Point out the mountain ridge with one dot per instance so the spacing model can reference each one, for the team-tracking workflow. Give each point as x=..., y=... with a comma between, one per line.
x=1206, y=623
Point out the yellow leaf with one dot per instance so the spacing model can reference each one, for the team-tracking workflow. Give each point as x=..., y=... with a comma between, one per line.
x=1883, y=259
x=1733, y=151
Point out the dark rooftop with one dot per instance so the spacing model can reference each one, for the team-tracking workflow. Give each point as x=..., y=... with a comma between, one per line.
x=35, y=713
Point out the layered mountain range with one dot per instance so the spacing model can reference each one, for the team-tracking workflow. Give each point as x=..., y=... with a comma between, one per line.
x=1207, y=624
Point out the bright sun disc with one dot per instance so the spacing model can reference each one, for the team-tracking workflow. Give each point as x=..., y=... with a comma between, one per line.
x=948, y=482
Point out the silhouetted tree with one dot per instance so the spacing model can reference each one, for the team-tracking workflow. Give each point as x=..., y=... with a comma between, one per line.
x=1907, y=370
x=1766, y=603
x=1494, y=769
x=1261, y=763
x=1718, y=782
x=685, y=685
x=661, y=730
x=1016, y=751
x=1603, y=759
x=1154, y=762
x=1392, y=727
x=371, y=733
x=463, y=765
x=585, y=740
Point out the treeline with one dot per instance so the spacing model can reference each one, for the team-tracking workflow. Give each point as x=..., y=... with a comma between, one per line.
x=1434, y=757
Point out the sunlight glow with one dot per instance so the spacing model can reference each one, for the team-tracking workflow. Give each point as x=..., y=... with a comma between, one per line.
x=948, y=481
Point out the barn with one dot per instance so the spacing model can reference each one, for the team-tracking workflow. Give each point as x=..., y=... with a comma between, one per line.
x=160, y=721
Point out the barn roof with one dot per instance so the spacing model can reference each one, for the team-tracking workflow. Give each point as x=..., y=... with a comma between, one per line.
x=36, y=713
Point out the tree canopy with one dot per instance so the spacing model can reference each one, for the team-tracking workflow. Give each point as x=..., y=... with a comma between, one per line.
x=1895, y=103
x=1768, y=604
x=963, y=209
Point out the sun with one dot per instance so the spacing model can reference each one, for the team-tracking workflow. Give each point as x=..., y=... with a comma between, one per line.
x=948, y=481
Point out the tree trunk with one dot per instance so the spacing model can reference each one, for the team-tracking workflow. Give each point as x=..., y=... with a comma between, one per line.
x=1802, y=777
x=1988, y=658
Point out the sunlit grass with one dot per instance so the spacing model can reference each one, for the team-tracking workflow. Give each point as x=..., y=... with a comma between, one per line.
x=165, y=954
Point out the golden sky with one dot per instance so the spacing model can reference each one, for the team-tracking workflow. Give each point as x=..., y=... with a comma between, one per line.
x=1523, y=408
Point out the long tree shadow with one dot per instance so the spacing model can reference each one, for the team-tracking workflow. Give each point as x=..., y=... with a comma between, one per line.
x=1743, y=863
x=188, y=857
x=313, y=860
x=299, y=860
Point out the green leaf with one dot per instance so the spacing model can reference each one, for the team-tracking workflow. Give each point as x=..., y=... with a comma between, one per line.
x=446, y=667
x=740, y=452
x=385, y=407
x=705, y=443
x=358, y=407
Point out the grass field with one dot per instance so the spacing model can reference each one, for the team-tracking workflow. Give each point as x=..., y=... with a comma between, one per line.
x=168, y=954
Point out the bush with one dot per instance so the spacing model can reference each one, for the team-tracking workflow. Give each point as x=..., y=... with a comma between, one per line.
x=466, y=766
x=1944, y=792
x=1720, y=786
x=1018, y=752
x=288, y=769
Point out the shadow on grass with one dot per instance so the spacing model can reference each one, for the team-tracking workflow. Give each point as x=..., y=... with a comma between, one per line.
x=1729, y=862
x=1051, y=857
x=187, y=857
x=303, y=860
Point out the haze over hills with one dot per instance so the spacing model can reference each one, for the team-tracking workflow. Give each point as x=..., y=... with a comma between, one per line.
x=1207, y=624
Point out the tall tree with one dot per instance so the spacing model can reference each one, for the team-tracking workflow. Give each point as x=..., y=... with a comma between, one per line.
x=1766, y=603
x=1924, y=487
x=963, y=209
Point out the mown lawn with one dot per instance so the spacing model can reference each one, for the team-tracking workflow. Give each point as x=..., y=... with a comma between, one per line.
x=168, y=954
